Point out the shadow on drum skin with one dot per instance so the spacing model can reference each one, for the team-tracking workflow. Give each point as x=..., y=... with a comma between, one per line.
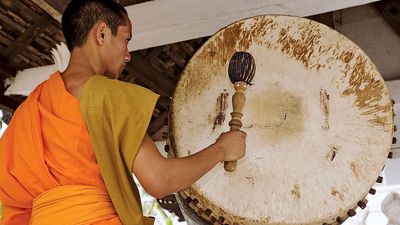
x=275, y=114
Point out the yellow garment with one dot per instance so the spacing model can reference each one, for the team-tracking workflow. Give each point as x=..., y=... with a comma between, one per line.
x=72, y=204
x=117, y=115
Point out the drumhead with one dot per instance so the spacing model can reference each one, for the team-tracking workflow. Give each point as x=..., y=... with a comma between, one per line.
x=319, y=121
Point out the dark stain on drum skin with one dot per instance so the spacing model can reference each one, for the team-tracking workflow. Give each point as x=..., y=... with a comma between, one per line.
x=283, y=113
x=228, y=41
x=336, y=193
x=368, y=92
x=331, y=153
x=346, y=56
x=324, y=103
x=354, y=169
x=221, y=106
x=234, y=38
x=238, y=38
x=302, y=48
x=251, y=180
x=296, y=191
x=260, y=29
x=219, y=50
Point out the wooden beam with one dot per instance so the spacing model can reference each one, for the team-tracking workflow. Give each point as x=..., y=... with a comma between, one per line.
x=27, y=37
x=157, y=22
x=49, y=7
x=58, y=5
x=11, y=22
x=20, y=8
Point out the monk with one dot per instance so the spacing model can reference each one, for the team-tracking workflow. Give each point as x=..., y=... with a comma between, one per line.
x=68, y=154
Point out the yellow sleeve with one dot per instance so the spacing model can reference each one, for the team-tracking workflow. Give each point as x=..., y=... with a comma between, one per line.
x=117, y=115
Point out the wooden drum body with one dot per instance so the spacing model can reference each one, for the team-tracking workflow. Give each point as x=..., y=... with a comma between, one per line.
x=319, y=121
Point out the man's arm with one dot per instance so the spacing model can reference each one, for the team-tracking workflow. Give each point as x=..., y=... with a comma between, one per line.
x=160, y=176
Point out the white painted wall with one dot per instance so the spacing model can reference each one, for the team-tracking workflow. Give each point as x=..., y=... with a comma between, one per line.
x=161, y=22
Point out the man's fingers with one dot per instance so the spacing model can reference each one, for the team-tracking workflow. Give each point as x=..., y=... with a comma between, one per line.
x=242, y=134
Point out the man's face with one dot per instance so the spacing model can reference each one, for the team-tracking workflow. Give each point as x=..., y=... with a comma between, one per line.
x=116, y=50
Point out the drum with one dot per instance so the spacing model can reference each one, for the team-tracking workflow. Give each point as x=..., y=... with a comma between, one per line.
x=318, y=117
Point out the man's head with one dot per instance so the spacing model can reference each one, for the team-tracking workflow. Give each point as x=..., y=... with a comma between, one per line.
x=105, y=25
x=81, y=15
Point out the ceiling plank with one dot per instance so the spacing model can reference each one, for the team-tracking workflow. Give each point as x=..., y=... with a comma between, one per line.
x=27, y=37
x=20, y=8
x=11, y=22
x=58, y=5
x=157, y=22
x=49, y=7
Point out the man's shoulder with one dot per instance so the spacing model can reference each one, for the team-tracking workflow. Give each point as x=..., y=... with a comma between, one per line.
x=105, y=92
x=107, y=85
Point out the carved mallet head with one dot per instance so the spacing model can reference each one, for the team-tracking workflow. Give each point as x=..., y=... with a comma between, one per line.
x=242, y=67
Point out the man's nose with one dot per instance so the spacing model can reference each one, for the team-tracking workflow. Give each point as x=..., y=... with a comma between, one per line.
x=127, y=56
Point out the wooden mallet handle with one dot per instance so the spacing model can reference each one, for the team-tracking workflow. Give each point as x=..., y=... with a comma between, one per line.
x=238, y=100
x=241, y=70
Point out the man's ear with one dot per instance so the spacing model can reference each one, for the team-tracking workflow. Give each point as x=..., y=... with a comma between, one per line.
x=100, y=32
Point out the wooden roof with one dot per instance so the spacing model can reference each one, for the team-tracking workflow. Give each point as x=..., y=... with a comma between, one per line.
x=28, y=33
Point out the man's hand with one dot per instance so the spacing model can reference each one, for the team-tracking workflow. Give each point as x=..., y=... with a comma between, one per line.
x=232, y=144
x=160, y=176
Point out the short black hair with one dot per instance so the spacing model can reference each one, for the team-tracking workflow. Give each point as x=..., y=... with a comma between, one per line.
x=80, y=16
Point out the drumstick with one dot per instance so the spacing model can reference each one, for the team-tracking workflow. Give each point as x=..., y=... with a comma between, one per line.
x=242, y=68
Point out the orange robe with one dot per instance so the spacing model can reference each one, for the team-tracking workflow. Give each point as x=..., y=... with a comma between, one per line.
x=46, y=146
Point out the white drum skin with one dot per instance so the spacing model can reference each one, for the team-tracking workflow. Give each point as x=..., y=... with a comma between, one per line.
x=319, y=121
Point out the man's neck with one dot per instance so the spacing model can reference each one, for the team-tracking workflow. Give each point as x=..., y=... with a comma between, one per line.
x=82, y=66
x=85, y=61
